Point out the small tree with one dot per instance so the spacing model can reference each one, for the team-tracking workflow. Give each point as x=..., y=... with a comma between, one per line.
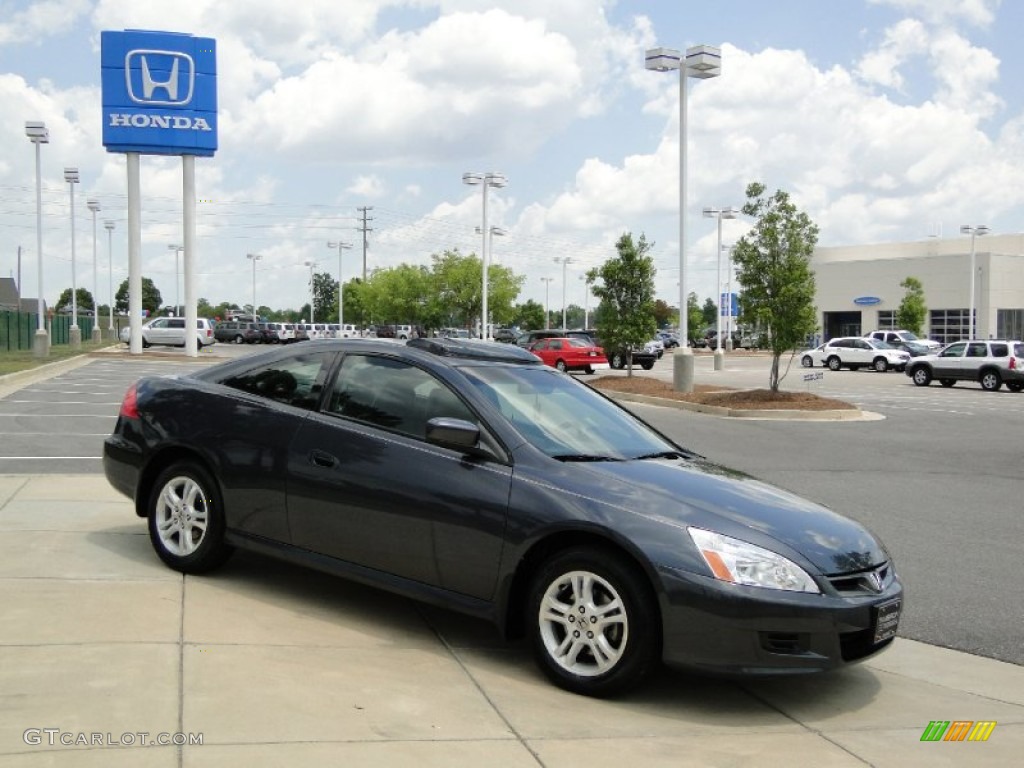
x=709, y=312
x=774, y=262
x=912, y=310
x=625, y=286
x=528, y=315
x=83, y=300
x=151, y=299
x=694, y=318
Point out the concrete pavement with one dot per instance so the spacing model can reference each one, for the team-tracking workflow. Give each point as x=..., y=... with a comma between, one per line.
x=274, y=665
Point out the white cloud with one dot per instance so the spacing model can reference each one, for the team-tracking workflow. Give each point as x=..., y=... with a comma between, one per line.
x=42, y=19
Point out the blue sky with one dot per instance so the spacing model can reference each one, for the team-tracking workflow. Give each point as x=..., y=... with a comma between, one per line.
x=886, y=120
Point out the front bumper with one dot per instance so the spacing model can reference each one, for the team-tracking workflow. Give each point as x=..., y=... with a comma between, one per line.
x=724, y=628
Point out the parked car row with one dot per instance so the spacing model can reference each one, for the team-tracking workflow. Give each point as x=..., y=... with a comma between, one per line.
x=856, y=352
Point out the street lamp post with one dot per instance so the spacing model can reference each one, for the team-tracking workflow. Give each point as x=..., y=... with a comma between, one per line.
x=719, y=213
x=74, y=333
x=97, y=334
x=312, y=266
x=547, y=287
x=978, y=230
x=492, y=231
x=109, y=225
x=564, y=261
x=702, y=62
x=341, y=285
x=728, y=294
x=177, y=275
x=254, y=257
x=489, y=179
x=37, y=134
x=586, y=301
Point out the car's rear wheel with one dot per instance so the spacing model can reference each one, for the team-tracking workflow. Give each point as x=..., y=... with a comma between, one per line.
x=594, y=623
x=921, y=376
x=881, y=364
x=947, y=382
x=186, y=519
x=560, y=365
x=834, y=363
x=145, y=344
x=239, y=339
x=990, y=381
x=806, y=361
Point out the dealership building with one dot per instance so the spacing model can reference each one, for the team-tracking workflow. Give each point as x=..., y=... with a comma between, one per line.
x=858, y=287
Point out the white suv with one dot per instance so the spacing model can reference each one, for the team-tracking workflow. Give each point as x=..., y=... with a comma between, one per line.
x=990, y=362
x=170, y=331
x=854, y=352
x=895, y=337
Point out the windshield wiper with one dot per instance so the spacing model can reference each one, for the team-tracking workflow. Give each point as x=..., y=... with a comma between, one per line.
x=583, y=457
x=663, y=455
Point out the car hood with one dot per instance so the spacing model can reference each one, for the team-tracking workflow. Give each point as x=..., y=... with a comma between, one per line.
x=697, y=492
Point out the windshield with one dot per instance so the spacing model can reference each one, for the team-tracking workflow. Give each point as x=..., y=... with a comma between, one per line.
x=564, y=418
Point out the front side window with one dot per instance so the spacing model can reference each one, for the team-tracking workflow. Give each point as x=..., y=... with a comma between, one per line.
x=954, y=350
x=296, y=381
x=394, y=395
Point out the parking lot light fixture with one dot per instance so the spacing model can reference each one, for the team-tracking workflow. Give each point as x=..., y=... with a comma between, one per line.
x=486, y=180
x=978, y=230
x=547, y=314
x=109, y=226
x=564, y=261
x=177, y=273
x=341, y=284
x=312, y=267
x=720, y=213
x=38, y=134
x=74, y=333
x=586, y=300
x=254, y=257
x=94, y=206
x=701, y=62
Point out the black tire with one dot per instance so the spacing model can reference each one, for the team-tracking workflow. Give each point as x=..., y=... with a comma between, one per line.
x=921, y=376
x=1014, y=386
x=145, y=344
x=239, y=339
x=647, y=365
x=186, y=519
x=881, y=364
x=947, y=382
x=990, y=381
x=834, y=363
x=588, y=370
x=579, y=583
x=618, y=361
x=560, y=365
x=806, y=361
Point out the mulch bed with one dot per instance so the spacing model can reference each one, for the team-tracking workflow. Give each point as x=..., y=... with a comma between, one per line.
x=756, y=399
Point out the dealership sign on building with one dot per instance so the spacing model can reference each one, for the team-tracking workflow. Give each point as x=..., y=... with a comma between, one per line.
x=159, y=93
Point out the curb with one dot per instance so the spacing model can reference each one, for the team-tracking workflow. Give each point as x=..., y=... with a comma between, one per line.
x=14, y=381
x=854, y=414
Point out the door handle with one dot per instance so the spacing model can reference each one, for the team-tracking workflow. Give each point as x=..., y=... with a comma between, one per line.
x=322, y=459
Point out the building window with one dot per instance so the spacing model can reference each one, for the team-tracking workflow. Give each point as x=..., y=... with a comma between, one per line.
x=949, y=325
x=1010, y=323
x=886, y=320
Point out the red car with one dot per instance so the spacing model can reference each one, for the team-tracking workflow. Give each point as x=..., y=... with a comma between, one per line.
x=570, y=354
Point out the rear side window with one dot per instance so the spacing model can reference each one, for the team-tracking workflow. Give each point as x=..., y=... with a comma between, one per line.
x=1000, y=350
x=296, y=381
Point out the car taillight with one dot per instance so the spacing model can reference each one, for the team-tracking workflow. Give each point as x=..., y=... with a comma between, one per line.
x=130, y=404
x=1013, y=363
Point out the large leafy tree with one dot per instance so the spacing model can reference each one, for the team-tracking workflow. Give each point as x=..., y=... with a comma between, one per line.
x=529, y=315
x=774, y=262
x=325, y=297
x=83, y=300
x=458, y=289
x=708, y=313
x=151, y=299
x=912, y=310
x=625, y=286
x=663, y=313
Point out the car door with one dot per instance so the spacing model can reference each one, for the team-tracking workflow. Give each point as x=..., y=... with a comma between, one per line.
x=157, y=333
x=367, y=488
x=948, y=363
x=971, y=362
x=542, y=349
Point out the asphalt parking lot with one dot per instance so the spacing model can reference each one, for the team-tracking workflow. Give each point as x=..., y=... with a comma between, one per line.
x=275, y=665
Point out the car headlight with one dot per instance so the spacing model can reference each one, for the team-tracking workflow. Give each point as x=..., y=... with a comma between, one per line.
x=740, y=562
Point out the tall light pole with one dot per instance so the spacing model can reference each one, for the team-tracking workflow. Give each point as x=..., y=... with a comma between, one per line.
x=586, y=301
x=702, y=62
x=341, y=285
x=492, y=231
x=547, y=287
x=37, y=134
x=978, y=230
x=489, y=179
x=109, y=225
x=97, y=335
x=254, y=257
x=719, y=213
x=728, y=294
x=177, y=276
x=312, y=266
x=564, y=261
x=75, y=333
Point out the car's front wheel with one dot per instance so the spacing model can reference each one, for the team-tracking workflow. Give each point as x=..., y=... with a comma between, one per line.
x=186, y=519
x=990, y=381
x=647, y=365
x=881, y=364
x=806, y=361
x=834, y=363
x=560, y=365
x=618, y=361
x=594, y=623
x=921, y=376
x=1014, y=386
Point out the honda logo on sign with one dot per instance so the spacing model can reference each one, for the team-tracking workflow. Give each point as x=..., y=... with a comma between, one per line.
x=165, y=78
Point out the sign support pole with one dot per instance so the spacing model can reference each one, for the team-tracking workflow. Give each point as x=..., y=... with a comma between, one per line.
x=134, y=253
x=188, y=204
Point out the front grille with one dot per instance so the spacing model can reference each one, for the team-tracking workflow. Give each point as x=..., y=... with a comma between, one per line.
x=871, y=581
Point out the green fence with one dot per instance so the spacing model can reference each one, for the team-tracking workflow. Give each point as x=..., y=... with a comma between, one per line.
x=18, y=329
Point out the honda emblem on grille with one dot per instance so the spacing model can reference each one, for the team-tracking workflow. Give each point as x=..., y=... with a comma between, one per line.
x=876, y=580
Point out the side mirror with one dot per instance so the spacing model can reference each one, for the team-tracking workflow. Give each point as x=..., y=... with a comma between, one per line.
x=457, y=434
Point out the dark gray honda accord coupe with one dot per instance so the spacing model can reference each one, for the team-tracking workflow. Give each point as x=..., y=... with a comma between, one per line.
x=469, y=475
